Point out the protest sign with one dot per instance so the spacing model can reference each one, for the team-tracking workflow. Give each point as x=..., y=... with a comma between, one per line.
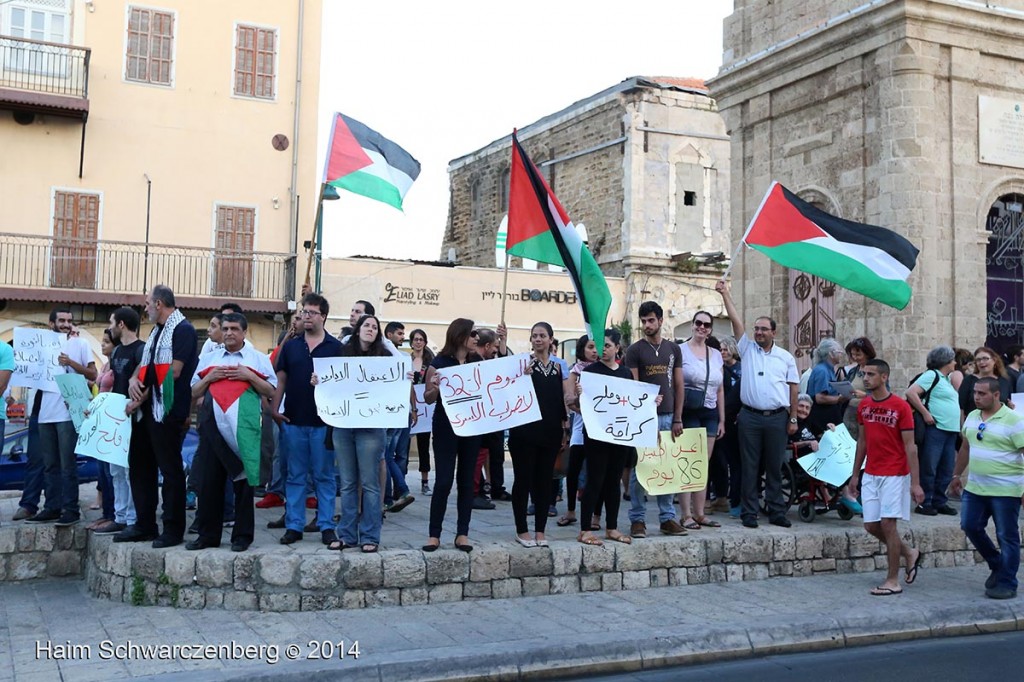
x=363, y=392
x=620, y=411
x=107, y=431
x=35, y=358
x=75, y=391
x=424, y=413
x=674, y=466
x=489, y=396
x=833, y=462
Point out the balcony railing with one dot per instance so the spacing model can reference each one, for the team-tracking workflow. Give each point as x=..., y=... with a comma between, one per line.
x=133, y=267
x=49, y=68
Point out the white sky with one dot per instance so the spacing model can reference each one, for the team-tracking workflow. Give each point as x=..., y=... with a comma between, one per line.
x=443, y=79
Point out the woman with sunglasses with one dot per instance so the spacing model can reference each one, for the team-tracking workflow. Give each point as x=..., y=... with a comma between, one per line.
x=454, y=456
x=535, y=446
x=936, y=401
x=422, y=356
x=704, y=406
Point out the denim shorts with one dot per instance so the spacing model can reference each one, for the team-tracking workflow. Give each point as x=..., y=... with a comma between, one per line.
x=705, y=416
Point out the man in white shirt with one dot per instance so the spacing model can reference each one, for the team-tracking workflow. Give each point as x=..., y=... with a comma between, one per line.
x=768, y=392
x=57, y=436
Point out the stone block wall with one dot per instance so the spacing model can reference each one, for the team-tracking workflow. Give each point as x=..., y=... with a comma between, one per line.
x=30, y=552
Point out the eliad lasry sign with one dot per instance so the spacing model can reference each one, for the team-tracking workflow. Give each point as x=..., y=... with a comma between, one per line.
x=395, y=293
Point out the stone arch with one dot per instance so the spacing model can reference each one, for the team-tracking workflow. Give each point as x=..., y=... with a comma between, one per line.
x=1002, y=223
x=1008, y=184
x=820, y=197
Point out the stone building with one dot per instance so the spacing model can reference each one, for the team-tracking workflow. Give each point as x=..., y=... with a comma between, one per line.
x=901, y=113
x=643, y=165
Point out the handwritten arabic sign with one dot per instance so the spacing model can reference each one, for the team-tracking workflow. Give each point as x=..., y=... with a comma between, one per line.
x=833, y=462
x=489, y=396
x=76, y=393
x=620, y=411
x=362, y=393
x=107, y=431
x=424, y=412
x=677, y=466
x=35, y=358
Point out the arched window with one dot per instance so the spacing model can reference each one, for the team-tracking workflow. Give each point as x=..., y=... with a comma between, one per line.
x=475, y=209
x=1005, y=273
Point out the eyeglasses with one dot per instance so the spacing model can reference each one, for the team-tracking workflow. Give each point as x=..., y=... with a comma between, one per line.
x=981, y=431
x=701, y=323
x=983, y=358
x=309, y=313
x=762, y=329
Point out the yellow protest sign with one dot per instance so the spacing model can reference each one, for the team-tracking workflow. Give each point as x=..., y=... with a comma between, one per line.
x=674, y=466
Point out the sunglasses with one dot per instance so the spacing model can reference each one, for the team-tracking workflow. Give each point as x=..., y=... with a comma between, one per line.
x=473, y=334
x=701, y=323
x=981, y=431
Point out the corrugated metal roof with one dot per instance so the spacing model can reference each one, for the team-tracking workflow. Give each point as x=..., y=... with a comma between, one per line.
x=42, y=101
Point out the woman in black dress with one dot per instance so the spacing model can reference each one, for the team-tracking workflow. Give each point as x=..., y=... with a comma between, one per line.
x=535, y=446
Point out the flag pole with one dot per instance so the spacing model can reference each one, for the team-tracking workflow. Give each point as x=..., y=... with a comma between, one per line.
x=732, y=261
x=504, y=288
x=750, y=226
x=313, y=243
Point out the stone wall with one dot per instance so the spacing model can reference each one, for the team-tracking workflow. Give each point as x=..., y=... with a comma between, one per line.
x=30, y=552
x=281, y=580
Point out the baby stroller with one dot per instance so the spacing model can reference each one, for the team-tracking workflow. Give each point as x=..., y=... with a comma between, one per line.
x=813, y=496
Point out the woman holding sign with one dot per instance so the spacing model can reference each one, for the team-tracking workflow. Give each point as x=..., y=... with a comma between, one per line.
x=454, y=456
x=535, y=446
x=604, y=461
x=359, y=453
x=422, y=356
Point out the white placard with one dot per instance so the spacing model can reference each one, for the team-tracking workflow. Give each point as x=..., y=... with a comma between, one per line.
x=77, y=396
x=35, y=358
x=833, y=462
x=424, y=412
x=1001, y=131
x=106, y=432
x=620, y=411
x=489, y=396
x=363, y=393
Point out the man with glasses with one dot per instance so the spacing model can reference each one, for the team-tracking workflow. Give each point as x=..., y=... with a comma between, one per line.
x=768, y=392
x=890, y=478
x=992, y=446
x=303, y=432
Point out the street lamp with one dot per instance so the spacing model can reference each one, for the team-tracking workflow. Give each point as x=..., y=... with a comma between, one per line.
x=329, y=194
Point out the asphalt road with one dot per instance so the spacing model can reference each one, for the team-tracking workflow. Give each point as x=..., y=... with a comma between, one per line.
x=977, y=658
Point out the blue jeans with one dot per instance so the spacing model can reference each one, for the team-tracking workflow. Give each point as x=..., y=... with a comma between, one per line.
x=124, y=505
x=975, y=511
x=307, y=455
x=60, y=467
x=938, y=453
x=396, y=455
x=637, y=506
x=32, y=487
x=359, y=452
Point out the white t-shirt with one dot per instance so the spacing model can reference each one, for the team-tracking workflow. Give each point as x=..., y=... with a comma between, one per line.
x=694, y=369
x=52, y=408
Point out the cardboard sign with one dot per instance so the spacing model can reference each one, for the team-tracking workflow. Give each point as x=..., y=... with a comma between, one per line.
x=35, y=358
x=674, y=466
x=363, y=393
x=75, y=391
x=489, y=396
x=620, y=411
x=833, y=462
x=424, y=412
x=106, y=432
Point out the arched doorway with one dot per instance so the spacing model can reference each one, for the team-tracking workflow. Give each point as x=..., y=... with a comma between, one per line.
x=1005, y=273
x=811, y=299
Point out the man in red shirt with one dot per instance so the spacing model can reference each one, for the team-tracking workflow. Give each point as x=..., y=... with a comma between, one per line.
x=890, y=478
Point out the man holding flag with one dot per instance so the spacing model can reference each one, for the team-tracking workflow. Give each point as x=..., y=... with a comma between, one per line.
x=233, y=379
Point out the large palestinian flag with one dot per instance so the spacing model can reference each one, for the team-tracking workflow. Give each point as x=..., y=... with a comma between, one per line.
x=238, y=412
x=540, y=229
x=870, y=260
x=365, y=162
x=164, y=379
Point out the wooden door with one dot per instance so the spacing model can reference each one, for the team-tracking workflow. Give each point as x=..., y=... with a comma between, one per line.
x=76, y=219
x=236, y=232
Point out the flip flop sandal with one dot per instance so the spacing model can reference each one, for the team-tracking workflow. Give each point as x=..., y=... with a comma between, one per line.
x=590, y=540
x=368, y=548
x=691, y=525
x=338, y=546
x=884, y=592
x=624, y=539
x=911, y=574
x=565, y=521
x=706, y=522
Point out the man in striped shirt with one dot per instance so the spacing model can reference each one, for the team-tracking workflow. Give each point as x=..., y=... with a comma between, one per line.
x=993, y=438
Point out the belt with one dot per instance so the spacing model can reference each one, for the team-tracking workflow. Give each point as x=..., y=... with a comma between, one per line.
x=764, y=413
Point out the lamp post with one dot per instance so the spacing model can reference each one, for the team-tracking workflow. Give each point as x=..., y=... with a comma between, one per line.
x=329, y=194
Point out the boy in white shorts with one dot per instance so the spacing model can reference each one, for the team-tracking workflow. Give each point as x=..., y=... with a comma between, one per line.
x=890, y=478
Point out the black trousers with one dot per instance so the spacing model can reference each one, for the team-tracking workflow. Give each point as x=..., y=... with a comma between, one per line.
x=162, y=455
x=763, y=441
x=495, y=444
x=533, y=465
x=605, y=462
x=454, y=458
x=423, y=451
x=218, y=465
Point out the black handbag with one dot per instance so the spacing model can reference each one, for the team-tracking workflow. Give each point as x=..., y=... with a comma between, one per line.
x=693, y=399
x=919, y=424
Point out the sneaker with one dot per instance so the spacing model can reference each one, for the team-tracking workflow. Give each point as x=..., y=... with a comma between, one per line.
x=270, y=500
x=425, y=489
x=22, y=514
x=67, y=520
x=672, y=527
x=403, y=502
x=924, y=511
x=190, y=500
x=482, y=503
x=229, y=523
x=638, y=529
x=310, y=503
x=45, y=516
x=109, y=528
x=852, y=505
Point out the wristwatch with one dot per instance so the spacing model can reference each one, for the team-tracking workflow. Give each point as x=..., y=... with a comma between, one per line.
x=792, y=420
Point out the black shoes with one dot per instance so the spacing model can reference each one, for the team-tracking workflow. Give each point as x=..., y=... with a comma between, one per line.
x=45, y=516
x=925, y=511
x=991, y=581
x=1000, y=593
x=482, y=503
x=239, y=546
x=749, y=522
x=290, y=537
x=311, y=527
x=279, y=523
x=67, y=520
x=134, y=534
x=200, y=543
x=328, y=536
x=946, y=510
x=781, y=521
x=165, y=541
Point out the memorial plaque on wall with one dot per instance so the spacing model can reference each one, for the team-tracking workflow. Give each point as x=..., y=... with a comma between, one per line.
x=1001, y=131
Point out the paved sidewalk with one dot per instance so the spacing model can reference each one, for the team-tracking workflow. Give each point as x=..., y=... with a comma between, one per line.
x=549, y=636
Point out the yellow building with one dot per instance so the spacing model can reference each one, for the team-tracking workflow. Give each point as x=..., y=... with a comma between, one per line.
x=162, y=142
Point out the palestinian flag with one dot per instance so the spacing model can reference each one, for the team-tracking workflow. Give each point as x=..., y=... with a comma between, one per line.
x=365, y=162
x=870, y=260
x=165, y=379
x=238, y=412
x=539, y=229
